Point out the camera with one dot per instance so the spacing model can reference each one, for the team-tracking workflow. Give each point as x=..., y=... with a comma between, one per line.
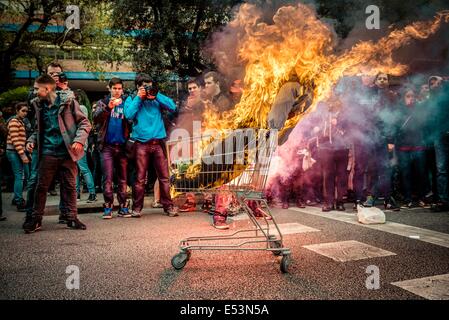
x=151, y=90
x=62, y=77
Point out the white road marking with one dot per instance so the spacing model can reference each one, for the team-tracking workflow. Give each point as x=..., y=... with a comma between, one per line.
x=292, y=228
x=343, y=251
x=429, y=236
x=432, y=288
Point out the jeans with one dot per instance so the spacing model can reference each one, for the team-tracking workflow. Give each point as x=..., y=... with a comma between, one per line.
x=97, y=169
x=412, y=165
x=32, y=182
x=379, y=173
x=49, y=166
x=441, y=144
x=85, y=171
x=146, y=154
x=361, y=158
x=312, y=183
x=114, y=157
x=20, y=170
x=335, y=174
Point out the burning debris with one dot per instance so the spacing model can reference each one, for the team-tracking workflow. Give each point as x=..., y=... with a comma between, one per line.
x=301, y=45
x=290, y=66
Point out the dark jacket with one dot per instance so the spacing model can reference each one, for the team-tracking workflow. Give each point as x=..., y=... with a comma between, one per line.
x=437, y=107
x=332, y=137
x=101, y=118
x=73, y=123
x=408, y=131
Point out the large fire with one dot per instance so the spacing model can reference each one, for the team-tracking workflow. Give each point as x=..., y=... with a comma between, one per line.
x=298, y=40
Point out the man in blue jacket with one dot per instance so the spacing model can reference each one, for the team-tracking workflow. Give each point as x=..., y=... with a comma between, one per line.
x=148, y=132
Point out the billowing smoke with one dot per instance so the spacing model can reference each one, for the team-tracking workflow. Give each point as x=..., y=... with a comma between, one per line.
x=414, y=58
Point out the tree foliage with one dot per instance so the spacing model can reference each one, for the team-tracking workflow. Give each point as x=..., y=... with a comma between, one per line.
x=23, y=44
x=169, y=35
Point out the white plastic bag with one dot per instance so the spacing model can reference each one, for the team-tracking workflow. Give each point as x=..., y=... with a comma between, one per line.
x=370, y=215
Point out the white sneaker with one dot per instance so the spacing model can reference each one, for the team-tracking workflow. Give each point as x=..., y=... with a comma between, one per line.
x=157, y=204
x=136, y=214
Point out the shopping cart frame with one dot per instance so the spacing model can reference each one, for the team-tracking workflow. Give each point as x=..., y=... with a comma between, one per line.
x=265, y=234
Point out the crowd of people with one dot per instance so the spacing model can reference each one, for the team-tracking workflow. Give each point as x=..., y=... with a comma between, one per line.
x=366, y=143
x=370, y=142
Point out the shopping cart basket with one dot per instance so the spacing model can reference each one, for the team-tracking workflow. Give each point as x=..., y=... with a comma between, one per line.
x=237, y=163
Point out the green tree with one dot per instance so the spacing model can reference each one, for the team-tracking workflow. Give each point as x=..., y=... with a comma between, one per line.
x=169, y=35
x=26, y=45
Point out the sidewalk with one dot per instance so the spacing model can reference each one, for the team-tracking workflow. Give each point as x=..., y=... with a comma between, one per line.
x=52, y=205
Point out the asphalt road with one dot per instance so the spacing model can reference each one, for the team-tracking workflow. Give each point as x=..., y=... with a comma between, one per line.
x=130, y=259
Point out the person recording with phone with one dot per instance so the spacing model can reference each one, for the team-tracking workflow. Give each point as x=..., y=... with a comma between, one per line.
x=113, y=131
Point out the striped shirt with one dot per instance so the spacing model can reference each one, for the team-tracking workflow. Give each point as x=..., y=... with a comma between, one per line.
x=16, y=137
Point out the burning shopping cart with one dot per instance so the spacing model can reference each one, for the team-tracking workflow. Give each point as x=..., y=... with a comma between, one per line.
x=236, y=163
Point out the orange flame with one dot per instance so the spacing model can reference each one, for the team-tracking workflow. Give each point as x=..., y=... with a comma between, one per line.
x=299, y=41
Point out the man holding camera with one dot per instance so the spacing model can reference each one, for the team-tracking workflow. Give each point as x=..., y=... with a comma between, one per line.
x=148, y=134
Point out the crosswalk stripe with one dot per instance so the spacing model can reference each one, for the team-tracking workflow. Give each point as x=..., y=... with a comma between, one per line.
x=420, y=234
x=432, y=288
x=343, y=251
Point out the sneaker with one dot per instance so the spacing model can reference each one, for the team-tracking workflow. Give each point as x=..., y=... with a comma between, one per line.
x=439, y=207
x=33, y=224
x=27, y=220
x=221, y=225
x=285, y=205
x=188, y=207
x=171, y=211
x=53, y=193
x=311, y=203
x=76, y=224
x=124, y=212
x=21, y=206
x=391, y=204
x=300, y=204
x=63, y=218
x=409, y=205
x=340, y=206
x=327, y=208
x=92, y=198
x=136, y=214
x=107, y=212
x=370, y=202
x=157, y=205
x=391, y=207
x=423, y=204
x=2, y=218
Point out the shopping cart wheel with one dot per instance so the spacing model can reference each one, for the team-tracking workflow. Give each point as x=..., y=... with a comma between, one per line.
x=276, y=244
x=285, y=263
x=179, y=261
